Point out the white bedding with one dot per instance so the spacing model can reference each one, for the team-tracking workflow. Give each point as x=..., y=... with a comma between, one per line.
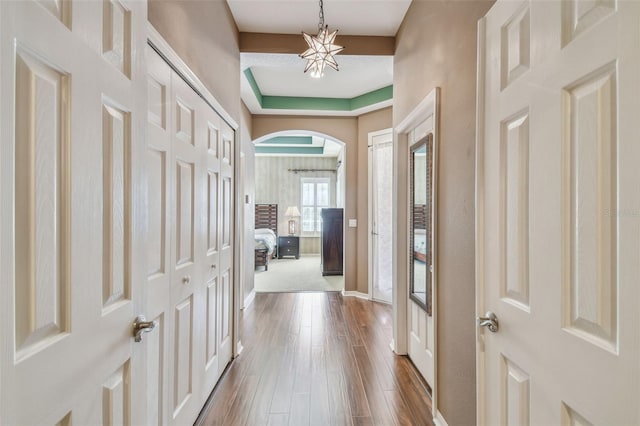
x=266, y=238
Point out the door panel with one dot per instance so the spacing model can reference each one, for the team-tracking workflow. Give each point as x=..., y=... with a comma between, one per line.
x=381, y=233
x=187, y=231
x=42, y=198
x=560, y=257
x=187, y=205
x=421, y=339
x=116, y=136
x=226, y=241
x=160, y=191
x=183, y=362
x=70, y=250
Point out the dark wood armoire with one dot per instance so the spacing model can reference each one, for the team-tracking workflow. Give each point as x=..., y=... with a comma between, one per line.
x=332, y=241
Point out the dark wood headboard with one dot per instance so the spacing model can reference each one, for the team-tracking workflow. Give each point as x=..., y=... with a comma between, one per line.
x=267, y=217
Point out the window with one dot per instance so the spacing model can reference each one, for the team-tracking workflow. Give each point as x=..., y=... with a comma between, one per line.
x=315, y=196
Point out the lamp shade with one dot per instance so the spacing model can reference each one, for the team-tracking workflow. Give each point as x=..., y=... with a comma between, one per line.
x=292, y=212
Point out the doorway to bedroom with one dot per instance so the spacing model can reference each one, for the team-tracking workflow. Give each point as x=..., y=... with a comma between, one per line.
x=299, y=204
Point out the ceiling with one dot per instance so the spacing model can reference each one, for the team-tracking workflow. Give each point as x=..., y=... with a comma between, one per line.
x=352, y=17
x=276, y=83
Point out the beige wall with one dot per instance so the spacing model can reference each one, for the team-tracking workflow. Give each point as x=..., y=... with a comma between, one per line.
x=436, y=47
x=248, y=169
x=367, y=123
x=204, y=35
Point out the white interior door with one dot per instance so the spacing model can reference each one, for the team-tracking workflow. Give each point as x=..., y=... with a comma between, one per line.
x=558, y=213
x=72, y=84
x=189, y=153
x=421, y=339
x=380, y=212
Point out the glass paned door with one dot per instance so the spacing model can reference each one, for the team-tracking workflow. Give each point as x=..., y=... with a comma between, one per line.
x=381, y=155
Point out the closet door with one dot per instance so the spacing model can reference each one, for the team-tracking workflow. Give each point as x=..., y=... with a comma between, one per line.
x=225, y=241
x=211, y=248
x=160, y=171
x=190, y=250
x=186, y=302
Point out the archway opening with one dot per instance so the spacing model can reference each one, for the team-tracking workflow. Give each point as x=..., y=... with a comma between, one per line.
x=300, y=181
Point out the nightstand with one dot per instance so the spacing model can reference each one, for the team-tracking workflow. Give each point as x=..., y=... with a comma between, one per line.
x=289, y=246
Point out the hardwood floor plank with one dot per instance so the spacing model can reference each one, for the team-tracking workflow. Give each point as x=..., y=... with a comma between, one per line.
x=239, y=410
x=299, y=415
x=281, y=398
x=380, y=413
x=317, y=359
x=302, y=381
x=261, y=404
x=363, y=421
x=358, y=403
x=319, y=405
x=399, y=409
x=278, y=419
x=339, y=413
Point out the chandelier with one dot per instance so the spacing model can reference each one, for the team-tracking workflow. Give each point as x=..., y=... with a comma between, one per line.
x=321, y=48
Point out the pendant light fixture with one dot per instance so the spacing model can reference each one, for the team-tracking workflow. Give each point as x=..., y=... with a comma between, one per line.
x=321, y=49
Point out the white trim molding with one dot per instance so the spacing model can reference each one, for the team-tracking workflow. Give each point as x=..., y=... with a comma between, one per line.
x=479, y=224
x=438, y=419
x=249, y=299
x=357, y=294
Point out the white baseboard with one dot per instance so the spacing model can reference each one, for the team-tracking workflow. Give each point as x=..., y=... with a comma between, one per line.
x=438, y=420
x=355, y=294
x=249, y=299
x=392, y=345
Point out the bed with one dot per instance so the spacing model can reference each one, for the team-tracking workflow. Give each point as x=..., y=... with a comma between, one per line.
x=266, y=233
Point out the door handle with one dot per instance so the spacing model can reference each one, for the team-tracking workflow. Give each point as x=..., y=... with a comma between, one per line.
x=141, y=325
x=490, y=320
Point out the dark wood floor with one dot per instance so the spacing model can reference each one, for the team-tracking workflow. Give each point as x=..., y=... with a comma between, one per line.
x=317, y=359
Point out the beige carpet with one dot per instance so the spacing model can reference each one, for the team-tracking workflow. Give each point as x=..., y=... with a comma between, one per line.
x=304, y=274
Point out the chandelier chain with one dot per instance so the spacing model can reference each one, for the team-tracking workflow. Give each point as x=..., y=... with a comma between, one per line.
x=321, y=16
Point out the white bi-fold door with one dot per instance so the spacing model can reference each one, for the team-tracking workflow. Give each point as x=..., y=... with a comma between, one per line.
x=72, y=84
x=558, y=222
x=190, y=201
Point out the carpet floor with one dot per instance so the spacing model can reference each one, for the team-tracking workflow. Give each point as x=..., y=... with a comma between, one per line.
x=304, y=274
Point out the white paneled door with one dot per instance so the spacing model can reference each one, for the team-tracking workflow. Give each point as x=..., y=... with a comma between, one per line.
x=71, y=225
x=558, y=221
x=380, y=215
x=190, y=202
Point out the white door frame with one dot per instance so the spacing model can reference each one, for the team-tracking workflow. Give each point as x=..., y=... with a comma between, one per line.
x=479, y=269
x=172, y=58
x=409, y=129
x=371, y=135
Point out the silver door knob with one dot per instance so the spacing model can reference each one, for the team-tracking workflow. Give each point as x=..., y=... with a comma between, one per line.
x=490, y=320
x=186, y=279
x=141, y=325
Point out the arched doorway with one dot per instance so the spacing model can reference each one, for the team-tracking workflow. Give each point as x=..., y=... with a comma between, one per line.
x=299, y=177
